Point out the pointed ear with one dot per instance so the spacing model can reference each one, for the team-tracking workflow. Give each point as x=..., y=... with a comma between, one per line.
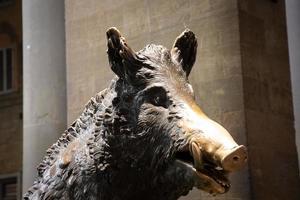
x=184, y=50
x=122, y=58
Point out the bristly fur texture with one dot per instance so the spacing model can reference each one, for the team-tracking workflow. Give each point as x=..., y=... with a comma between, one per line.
x=122, y=146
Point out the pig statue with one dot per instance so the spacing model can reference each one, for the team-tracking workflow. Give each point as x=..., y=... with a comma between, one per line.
x=144, y=137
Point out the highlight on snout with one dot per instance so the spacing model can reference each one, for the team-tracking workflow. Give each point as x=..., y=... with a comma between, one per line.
x=212, y=150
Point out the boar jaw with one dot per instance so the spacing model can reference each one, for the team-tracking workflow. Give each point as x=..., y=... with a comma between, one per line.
x=207, y=176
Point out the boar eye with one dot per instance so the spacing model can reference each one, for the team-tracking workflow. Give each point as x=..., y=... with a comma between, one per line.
x=158, y=101
x=158, y=97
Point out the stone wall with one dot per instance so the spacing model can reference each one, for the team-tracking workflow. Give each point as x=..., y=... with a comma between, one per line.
x=11, y=102
x=11, y=138
x=268, y=100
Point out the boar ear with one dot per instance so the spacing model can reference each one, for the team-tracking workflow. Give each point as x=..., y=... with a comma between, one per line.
x=122, y=59
x=184, y=50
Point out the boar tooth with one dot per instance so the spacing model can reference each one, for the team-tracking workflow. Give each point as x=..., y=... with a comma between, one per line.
x=196, y=155
x=219, y=168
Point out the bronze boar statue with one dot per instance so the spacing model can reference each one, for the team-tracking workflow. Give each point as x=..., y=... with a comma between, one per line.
x=144, y=137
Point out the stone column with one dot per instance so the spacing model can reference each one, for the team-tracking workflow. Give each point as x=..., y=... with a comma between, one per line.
x=44, y=80
x=293, y=29
x=268, y=106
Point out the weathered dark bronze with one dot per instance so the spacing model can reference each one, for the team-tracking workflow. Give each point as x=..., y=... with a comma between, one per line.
x=144, y=137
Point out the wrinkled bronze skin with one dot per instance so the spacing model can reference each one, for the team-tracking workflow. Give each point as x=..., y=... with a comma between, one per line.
x=144, y=137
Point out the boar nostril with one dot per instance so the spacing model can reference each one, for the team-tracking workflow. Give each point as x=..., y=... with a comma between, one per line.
x=235, y=159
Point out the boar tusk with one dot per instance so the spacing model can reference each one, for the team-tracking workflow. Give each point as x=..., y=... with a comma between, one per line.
x=197, y=155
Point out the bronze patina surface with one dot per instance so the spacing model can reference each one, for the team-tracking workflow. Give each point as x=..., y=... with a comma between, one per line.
x=144, y=137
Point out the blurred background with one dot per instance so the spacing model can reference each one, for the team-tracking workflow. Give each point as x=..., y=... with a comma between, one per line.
x=246, y=77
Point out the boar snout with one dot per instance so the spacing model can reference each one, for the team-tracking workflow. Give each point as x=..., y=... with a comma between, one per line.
x=209, y=141
x=234, y=159
x=229, y=159
x=216, y=145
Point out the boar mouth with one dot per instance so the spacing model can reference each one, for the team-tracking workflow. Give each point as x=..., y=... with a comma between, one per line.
x=209, y=177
